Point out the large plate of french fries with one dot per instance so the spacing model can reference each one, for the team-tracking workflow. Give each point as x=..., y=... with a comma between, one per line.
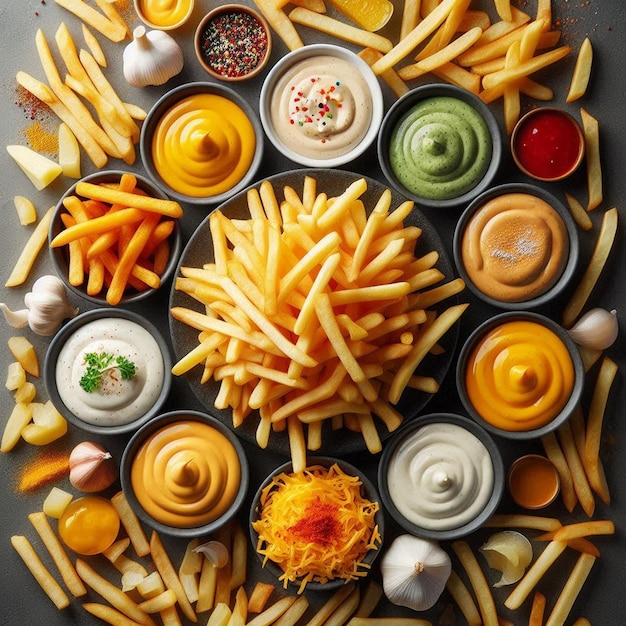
x=284, y=245
x=535, y=52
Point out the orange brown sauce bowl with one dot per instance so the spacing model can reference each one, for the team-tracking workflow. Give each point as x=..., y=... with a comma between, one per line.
x=515, y=247
x=184, y=473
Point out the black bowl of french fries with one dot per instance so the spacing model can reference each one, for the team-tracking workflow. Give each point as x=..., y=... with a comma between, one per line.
x=326, y=507
x=229, y=398
x=115, y=238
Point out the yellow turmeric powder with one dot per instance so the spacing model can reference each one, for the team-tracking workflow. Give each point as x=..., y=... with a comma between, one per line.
x=46, y=468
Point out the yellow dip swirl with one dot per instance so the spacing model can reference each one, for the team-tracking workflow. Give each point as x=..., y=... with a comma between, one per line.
x=203, y=145
x=514, y=248
x=164, y=13
x=519, y=376
x=186, y=474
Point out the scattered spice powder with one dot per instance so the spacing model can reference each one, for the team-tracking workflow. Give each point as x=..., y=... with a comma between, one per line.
x=43, y=470
x=40, y=139
x=234, y=43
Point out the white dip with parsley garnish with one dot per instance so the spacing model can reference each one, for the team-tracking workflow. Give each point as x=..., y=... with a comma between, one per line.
x=110, y=372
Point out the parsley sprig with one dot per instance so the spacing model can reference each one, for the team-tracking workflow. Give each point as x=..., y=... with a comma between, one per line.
x=99, y=364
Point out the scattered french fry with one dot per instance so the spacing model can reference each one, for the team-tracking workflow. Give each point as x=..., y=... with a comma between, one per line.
x=571, y=590
x=599, y=256
x=595, y=419
x=58, y=554
x=30, y=251
x=582, y=72
x=484, y=597
x=591, y=132
x=41, y=574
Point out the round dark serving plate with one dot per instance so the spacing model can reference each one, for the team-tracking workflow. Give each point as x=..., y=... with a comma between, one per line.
x=199, y=250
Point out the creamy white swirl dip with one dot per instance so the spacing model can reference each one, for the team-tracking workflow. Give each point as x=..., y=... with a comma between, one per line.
x=116, y=401
x=440, y=477
x=323, y=107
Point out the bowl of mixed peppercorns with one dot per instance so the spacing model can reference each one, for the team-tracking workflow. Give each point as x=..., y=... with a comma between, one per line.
x=233, y=42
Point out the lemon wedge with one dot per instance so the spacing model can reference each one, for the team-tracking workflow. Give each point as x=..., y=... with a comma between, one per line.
x=510, y=553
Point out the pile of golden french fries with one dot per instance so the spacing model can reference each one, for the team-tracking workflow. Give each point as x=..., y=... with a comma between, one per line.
x=118, y=237
x=315, y=309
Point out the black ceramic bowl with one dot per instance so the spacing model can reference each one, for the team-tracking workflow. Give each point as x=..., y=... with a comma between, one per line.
x=516, y=246
x=521, y=356
x=479, y=503
x=449, y=138
x=170, y=419
x=152, y=381
x=368, y=490
x=191, y=127
x=60, y=254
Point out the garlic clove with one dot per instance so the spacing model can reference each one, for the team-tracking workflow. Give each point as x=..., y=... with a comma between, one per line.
x=214, y=551
x=597, y=329
x=152, y=58
x=415, y=572
x=510, y=553
x=16, y=319
x=92, y=468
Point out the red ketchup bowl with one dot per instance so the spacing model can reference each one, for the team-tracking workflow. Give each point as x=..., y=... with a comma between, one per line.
x=547, y=144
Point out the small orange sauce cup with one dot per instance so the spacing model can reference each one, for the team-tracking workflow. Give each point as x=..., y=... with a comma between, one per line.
x=533, y=481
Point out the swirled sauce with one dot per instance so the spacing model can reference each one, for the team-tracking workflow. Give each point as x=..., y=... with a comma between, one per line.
x=203, y=145
x=519, y=376
x=440, y=148
x=114, y=400
x=164, y=13
x=186, y=474
x=515, y=247
x=323, y=107
x=440, y=477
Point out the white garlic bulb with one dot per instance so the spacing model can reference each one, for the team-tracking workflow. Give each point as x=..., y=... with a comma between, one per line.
x=597, y=329
x=151, y=58
x=415, y=572
x=46, y=307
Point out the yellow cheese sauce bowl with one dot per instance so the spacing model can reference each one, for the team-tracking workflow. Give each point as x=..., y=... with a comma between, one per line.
x=184, y=473
x=520, y=375
x=201, y=143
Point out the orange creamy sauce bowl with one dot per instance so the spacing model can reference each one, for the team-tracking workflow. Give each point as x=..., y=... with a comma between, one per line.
x=520, y=375
x=533, y=481
x=201, y=143
x=184, y=471
x=516, y=246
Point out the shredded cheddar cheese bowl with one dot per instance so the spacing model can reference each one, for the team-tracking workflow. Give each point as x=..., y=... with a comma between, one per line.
x=317, y=529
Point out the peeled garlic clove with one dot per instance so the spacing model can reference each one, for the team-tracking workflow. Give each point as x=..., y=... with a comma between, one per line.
x=510, y=553
x=597, y=329
x=215, y=551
